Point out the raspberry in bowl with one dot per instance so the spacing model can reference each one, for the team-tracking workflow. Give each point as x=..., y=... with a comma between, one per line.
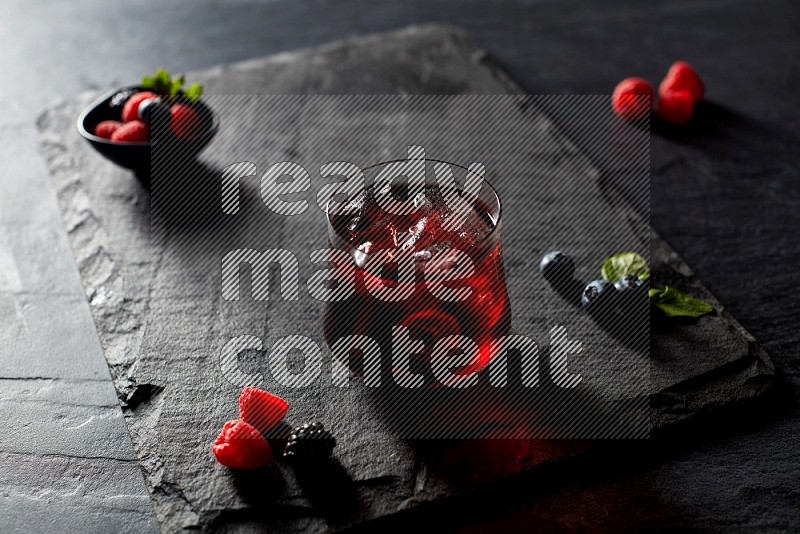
x=124, y=124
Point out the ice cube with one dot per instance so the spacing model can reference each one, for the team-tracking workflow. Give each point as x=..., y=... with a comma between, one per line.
x=355, y=222
x=355, y=205
x=423, y=203
x=474, y=228
x=423, y=255
x=409, y=239
x=361, y=252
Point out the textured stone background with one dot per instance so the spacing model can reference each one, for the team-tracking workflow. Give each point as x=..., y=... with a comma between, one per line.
x=725, y=196
x=162, y=325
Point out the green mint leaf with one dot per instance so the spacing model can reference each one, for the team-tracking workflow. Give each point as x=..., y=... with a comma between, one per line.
x=176, y=85
x=194, y=92
x=674, y=303
x=163, y=78
x=622, y=265
x=160, y=83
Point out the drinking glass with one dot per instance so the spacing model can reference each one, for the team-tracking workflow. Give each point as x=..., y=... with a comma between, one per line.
x=366, y=230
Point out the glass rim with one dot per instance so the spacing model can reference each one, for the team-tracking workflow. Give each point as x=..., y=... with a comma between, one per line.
x=374, y=165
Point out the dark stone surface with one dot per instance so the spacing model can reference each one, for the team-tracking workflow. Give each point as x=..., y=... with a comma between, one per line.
x=53, y=479
x=696, y=367
x=66, y=462
x=730, y=208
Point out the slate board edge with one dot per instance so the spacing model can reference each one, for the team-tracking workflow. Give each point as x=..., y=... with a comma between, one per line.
x=745, y=379
x=681, y=393
x=756, y=371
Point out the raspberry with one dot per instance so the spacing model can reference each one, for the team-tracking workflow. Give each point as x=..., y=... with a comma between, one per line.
x=676, y=107
x=240, y=446
x=130, y=112
x=310, y=441
x=632, y=98
x=261, y=409
x=131, y=132
x=106, y=128
x=681, y=76
x=185, y=121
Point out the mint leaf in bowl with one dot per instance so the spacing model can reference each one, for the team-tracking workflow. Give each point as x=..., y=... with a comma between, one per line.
x=194, y=92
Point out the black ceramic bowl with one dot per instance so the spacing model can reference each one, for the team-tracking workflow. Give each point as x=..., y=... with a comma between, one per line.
x=136, y=156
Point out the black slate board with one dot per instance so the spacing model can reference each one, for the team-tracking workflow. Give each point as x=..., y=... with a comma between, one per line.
x=108, y=215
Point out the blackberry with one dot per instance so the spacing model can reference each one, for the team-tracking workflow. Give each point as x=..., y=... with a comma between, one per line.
x=309, y=440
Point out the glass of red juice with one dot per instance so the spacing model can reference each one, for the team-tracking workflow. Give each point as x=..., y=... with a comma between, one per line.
x=424, y=239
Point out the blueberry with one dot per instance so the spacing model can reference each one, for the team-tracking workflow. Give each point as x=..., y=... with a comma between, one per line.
x=632, y=291
x=633, y=306
x=632, y=285
x=150, y=109
x=631, y=282
x=597, y=295
x=557, y=267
